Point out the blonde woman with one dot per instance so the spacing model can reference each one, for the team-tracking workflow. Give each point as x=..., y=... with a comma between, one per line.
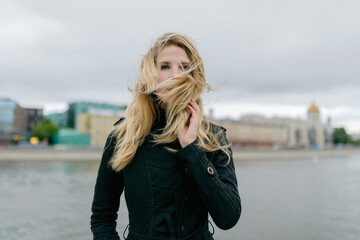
x=173, y=164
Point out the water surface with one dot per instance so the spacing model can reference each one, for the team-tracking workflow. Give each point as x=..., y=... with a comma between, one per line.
x=294, y=199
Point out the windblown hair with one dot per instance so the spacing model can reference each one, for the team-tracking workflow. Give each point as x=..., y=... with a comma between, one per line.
x=143, y=111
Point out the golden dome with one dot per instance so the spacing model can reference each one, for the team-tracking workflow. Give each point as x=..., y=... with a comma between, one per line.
x=313, y=109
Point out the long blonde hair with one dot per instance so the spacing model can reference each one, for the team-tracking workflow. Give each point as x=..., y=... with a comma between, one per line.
x=143, y=111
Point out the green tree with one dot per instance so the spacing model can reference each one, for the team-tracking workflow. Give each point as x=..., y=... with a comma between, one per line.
x=45, y=130
x=340, y=136
x=356, y=142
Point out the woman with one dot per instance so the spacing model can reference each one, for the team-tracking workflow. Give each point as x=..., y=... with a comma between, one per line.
x=175, y=166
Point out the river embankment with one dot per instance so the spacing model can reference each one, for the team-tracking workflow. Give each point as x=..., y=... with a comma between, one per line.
x=49, y=154
x=245, y=154
x=88, y=154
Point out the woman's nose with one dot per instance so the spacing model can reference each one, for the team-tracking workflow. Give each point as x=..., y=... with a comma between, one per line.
x=175, y=71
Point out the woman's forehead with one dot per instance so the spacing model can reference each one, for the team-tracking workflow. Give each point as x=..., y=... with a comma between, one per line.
x=173, y=53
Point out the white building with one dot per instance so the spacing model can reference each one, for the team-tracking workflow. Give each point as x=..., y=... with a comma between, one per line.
x=259, y=131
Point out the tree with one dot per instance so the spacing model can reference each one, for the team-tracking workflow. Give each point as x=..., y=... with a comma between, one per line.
x=45, y=130
x=356, y=142
x=340, y=136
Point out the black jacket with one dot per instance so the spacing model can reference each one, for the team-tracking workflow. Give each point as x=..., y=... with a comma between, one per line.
x=168, y=195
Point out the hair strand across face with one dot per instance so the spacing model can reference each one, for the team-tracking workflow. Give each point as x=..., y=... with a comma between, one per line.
x=143, y=111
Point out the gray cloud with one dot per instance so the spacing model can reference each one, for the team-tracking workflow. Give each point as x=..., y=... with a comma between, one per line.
x=254, y=51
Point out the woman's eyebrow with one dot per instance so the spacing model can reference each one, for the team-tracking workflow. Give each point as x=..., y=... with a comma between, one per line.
x=164, y=62
x=167, y=62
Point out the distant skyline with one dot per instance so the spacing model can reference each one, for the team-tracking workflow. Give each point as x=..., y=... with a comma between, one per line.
x=272, y=58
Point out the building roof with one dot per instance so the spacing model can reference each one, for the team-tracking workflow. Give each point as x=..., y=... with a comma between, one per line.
x=313, y=109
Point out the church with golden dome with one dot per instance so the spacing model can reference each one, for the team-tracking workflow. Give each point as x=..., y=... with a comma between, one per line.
x=313, y=112
x=316, y=130
x=281, y=132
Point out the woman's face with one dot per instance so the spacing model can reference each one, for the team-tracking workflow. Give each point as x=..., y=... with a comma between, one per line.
x=171, y=61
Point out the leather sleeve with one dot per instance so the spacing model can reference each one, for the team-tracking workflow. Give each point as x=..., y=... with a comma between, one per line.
x=215, y=181
x=108, y=188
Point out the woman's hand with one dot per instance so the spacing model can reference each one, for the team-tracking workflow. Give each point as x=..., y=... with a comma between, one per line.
x=188, y=134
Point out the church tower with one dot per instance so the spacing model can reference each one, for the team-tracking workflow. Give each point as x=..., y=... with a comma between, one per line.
x=315, y=128
x=313, y=113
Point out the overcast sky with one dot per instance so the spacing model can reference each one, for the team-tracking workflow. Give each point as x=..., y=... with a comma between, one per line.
x=265, y=57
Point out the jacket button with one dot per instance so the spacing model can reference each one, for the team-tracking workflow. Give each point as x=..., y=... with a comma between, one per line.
x=186, y=170
x=186, y=198
x=210, y=170
x=182, y=228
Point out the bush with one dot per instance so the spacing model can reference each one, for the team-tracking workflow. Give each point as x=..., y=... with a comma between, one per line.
x=45, y=131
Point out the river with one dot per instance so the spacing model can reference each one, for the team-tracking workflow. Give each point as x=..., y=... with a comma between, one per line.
x=281, y=199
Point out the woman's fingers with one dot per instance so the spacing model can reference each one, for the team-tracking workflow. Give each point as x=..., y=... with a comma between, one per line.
x=193, y=103
x=195, y=115
x=189, y=132
x=195, y=106
x=192, y=110
x=196, y=109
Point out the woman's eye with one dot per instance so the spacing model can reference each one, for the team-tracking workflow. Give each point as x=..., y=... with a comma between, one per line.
x=164, y=67
x=185, y=67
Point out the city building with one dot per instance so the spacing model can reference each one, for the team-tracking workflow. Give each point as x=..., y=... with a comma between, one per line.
x=70, y=137
x=15, y=121
x=259, y=131
x=76, y=108
x=86, y=124
x=355, y=136
x=7, y=119
x=34, y=116
x=59, y=119
x=98, y=124
x=255, y=131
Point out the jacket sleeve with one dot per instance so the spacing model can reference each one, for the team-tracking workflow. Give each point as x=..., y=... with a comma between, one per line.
x=216, y=182
x=108, y=188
